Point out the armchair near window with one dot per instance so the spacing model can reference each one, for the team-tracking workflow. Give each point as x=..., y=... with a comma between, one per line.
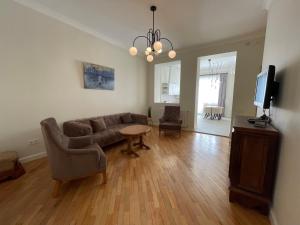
x=170, y=120
x=71, y=158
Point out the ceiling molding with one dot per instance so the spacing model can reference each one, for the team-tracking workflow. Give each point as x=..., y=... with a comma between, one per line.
x=51, y=13
x=225, y=42
x=267, y=4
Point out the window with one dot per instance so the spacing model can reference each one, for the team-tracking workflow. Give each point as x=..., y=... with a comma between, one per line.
x=167, y=82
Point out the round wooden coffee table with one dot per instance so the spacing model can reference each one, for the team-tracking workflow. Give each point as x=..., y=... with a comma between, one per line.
x=132, y=132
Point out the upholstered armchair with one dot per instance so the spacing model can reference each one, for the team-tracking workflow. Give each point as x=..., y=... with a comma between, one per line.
x=71, y=158
x=170, y=120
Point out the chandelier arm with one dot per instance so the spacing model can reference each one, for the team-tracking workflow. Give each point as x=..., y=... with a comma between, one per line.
x=157, y=35
x=149, y=35
x=168, y=41
x=140, y=37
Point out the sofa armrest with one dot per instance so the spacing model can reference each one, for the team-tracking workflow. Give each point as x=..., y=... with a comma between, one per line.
x=139, y=118
x=80, y=142
x=92, y=150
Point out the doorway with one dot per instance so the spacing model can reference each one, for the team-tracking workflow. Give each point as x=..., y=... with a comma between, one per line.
x=214, y=97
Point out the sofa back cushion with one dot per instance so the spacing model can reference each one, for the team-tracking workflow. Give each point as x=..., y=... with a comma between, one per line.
x=126, y=118
x=112, y=120
x=98, y=124
x=77, y=128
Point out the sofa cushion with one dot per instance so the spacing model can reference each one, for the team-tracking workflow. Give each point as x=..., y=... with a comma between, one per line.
x=98, y=125
x=76, y=129
x=112, y=120
x=126, y=118
x=107, y=137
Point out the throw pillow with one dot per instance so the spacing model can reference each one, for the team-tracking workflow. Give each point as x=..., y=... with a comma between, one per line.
x=126, y=118
x=98, y=125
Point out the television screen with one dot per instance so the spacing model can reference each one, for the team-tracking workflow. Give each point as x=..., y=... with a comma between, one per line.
x=261, y=86
x=265, y=88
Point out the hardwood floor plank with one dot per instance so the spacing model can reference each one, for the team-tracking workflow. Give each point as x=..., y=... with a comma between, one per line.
x=180, y=181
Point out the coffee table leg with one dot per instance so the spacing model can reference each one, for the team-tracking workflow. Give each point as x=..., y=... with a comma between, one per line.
x=142, y=144
x=129, y=149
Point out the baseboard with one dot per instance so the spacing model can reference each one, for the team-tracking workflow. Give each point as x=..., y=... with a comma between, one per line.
x=33, y=157
x=273, y=219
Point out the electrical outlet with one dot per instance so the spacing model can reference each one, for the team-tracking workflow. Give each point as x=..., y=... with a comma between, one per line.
x=33, y=141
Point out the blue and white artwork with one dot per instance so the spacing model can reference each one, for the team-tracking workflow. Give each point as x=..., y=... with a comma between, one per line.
x=98, y=77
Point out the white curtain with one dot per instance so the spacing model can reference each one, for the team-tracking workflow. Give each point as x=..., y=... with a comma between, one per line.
x=208, y=92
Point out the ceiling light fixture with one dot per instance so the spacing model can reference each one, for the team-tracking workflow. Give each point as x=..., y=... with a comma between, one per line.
x=154, y=44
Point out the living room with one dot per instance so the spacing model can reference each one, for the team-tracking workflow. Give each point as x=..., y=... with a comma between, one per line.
x=148, y=170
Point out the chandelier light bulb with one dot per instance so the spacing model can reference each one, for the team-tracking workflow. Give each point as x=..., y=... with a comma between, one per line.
x=149, y=49
x=157, y=45
x=150, y=58
x=133, y=51
x=158, y=52
x=172, y=54
x=154, y=46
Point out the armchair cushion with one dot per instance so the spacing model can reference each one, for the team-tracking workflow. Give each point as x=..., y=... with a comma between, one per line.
x=162, y=120
x=77, y=129
x=170, y=124
x=80, y=142
x=93, y=150
x=98, y=125
x=126, y=118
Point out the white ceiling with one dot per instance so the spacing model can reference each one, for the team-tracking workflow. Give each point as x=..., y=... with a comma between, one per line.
x=184, y=22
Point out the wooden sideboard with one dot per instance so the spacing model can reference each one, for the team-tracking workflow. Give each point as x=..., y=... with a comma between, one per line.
x=252, y=169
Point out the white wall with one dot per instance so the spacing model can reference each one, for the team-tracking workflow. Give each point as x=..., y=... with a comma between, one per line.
x=41, y=76
x=282, y=48
x=249, y=57
x=229, y=94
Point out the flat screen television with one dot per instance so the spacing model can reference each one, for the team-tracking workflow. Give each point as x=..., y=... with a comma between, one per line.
x=266, y=88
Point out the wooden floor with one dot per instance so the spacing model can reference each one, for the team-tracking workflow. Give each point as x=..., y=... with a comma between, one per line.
x=179, y=181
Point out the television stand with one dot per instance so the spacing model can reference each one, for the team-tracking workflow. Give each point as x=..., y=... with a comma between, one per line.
x=252, y=168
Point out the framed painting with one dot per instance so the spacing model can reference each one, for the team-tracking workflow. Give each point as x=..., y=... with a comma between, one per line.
x=98, y=77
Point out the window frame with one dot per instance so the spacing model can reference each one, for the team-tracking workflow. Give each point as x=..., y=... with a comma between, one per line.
x=158, y=84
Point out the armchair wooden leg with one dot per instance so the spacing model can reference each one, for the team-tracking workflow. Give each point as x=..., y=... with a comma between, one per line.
x=56, y=188
x=104, y=177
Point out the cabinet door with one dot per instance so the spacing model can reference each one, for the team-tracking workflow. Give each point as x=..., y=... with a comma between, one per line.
x=253, y=162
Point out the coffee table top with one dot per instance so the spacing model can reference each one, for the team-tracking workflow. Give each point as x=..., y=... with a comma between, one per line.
x=135, y=130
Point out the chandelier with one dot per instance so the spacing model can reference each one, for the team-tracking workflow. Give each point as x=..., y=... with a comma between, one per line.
x=154, y=44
